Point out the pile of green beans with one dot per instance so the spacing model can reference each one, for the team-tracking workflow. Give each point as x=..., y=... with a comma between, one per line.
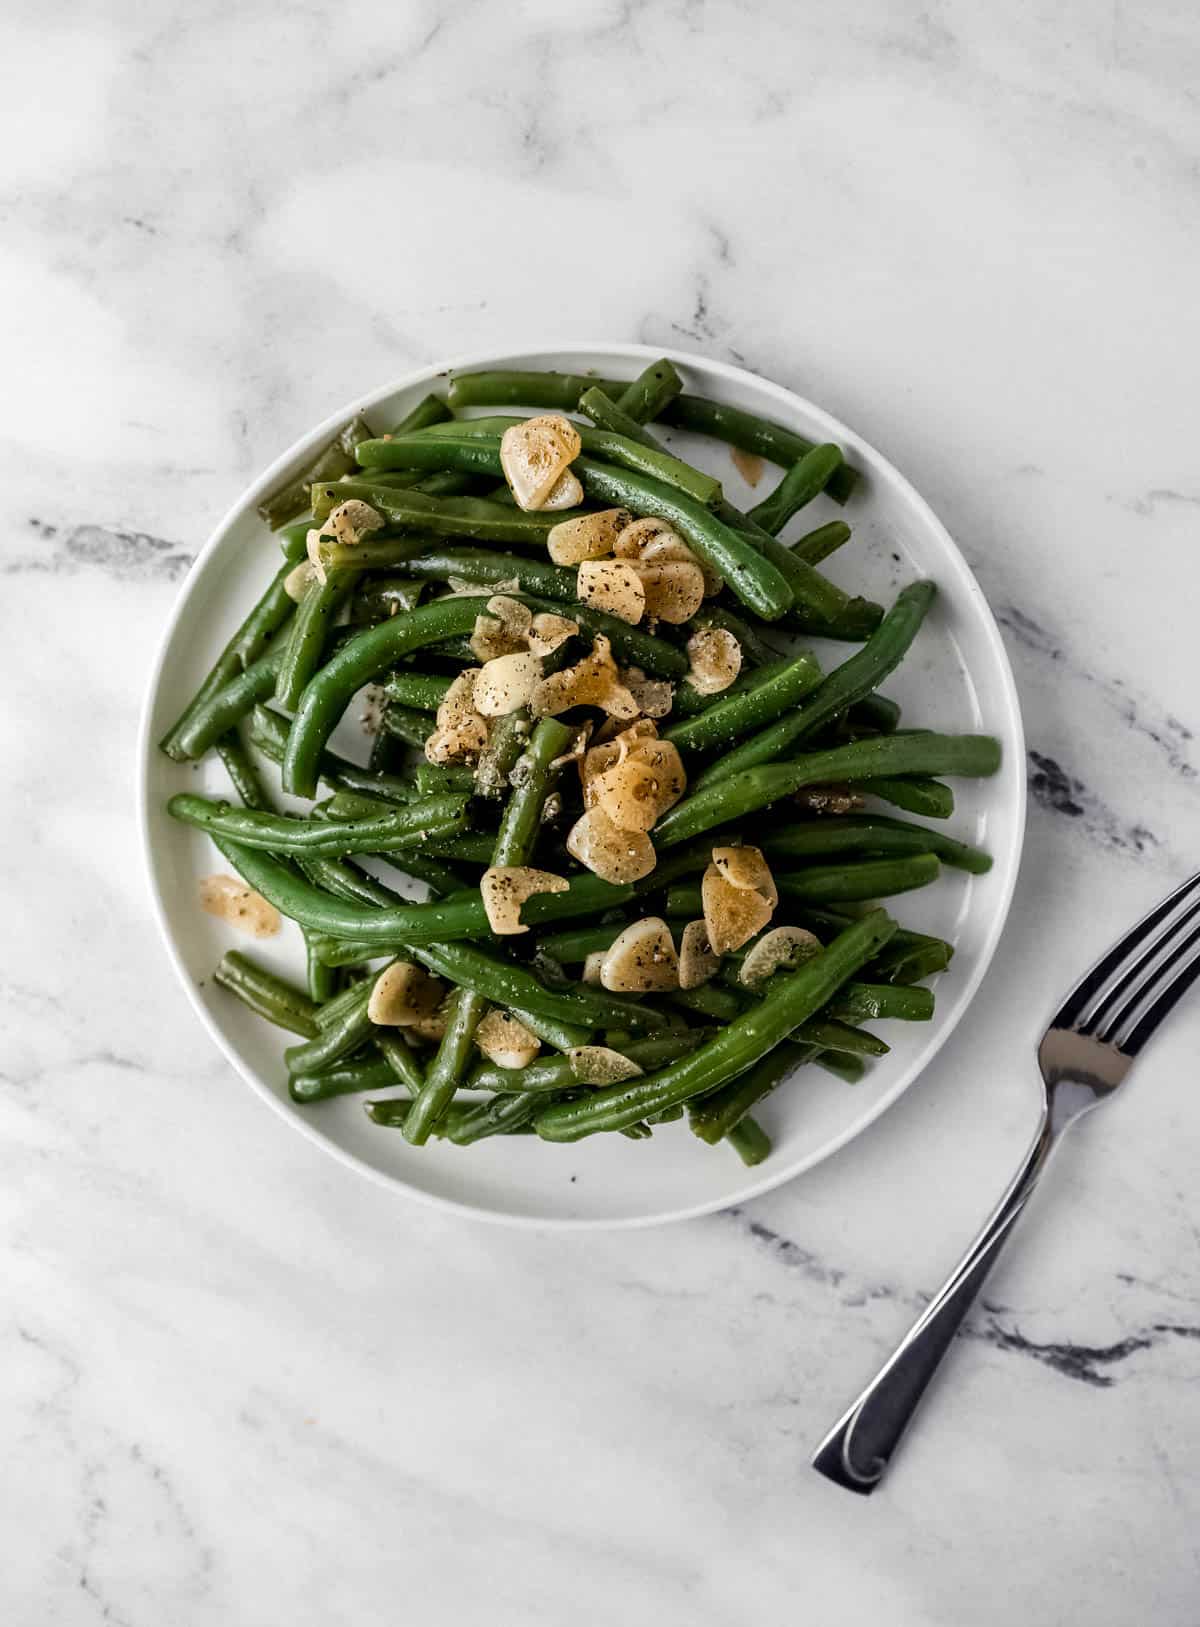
x=395, y=617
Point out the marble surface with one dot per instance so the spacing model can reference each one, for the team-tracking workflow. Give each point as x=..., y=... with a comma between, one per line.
x=240, y=1385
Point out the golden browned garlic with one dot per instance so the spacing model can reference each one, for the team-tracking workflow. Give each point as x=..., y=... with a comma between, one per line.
x=641, y=960
x=240, y=906
x=505, y=888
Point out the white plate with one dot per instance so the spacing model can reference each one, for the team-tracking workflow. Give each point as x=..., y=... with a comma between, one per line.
x=956, y=678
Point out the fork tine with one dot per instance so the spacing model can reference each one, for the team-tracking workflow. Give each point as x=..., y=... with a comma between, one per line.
x=1137, y=976
x=1091, y=984
x=1174, y=991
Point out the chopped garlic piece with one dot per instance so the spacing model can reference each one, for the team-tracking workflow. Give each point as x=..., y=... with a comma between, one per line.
x=641, y=960
x=535, y=454
x=591, y=536
x=232, y=901
x=612, y=585
x=506, y=1041
x=716, y=658
x=613, y=854
x=506, y=887
x=403, y=994
x=697, y=963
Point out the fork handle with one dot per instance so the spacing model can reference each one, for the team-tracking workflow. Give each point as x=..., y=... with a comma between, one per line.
x=856, y=1452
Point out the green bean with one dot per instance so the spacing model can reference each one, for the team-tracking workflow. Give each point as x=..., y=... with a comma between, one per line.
x=502, y=1115
x=869, y=833
x=853, y=883
x=309, y=635
x=449, y=1066
x=740, y=1045
x=577, y=943
x=271, y=997
x=293, y=539
x=865, y=1002
x=832, y=1034
x=914, y=794
x=361, y=660
x=223, y=708
x=406, y=724
x=338, y=1038
x=722, y=1005
x=269, y=732
x=752, y=578
x=696, y=414
x=441, y=879
x=756, y=788
x=334, y=1010
x=460, y=916
x=806, y=479
x=424, y=691
x=554, y=1073
x=719, y=1114
x=853, y=680
x=506, y=740
x=817, y=545
x=849, y=1069
x=343, y=805
x=433, y=778
x=407, y=826
x=243, y=775
x=552, y=1030
x=431, y=409
x=470, y=849
x=759, y=703
x=393, y=1113
x=346, y=881
x=376, y=649
x=402, y=1060
x=335, y=459
x=690, y=702
x=906, y=965
x=750, y=1141
x=873, y=714
x=322, y=979
x=347, y=1079
x=819, y=606
x=507, y=984
x=640, y=454
x=532, y=778
x=486, y=570
x=651, y=392
x=476, y=517
x=382, y=596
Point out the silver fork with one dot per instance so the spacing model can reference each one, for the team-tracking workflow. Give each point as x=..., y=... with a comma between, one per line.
x=1084, y=1055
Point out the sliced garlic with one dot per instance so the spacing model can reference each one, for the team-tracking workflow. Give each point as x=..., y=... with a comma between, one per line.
x=591, y=968
x=633, y=538
x=674, y=591
x=655, y=696
x=697, y=963
x=534, y=455
x=615, y=855
x=716, y=658
x=598, y=1065
x=746, y=867
x=783, y=946
x=403, y=994
x=503, y=631
x=566, y=493
x=432, y=1028
x=591, y=536
x=232, y=901
x=748, y=464
x=669, y=548
x=641, y=960
x=547, y=631
x=612, y=585
x=461, y=732
x=639, y=788
x=351, y=522
x=505, y=888
x=591, y=682
x=506, y=683
x=296, y=582
x=732, y=915
x=506, y=1041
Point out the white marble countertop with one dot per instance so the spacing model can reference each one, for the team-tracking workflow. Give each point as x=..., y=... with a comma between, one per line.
x=241, y=1385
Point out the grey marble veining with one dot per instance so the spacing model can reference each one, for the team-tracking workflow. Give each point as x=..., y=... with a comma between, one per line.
x=241, y=1385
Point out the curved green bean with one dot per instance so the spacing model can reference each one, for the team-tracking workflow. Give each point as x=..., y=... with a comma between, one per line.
x=853, y=680
x=345, y=1079
x=309, y=634
x=408, y=826
x=337, y=1038
x=869, y=833
x=730, y=718
x=739, y=1046
x=505, y=983
x=718, y=1115
x=806, y=479
x=269, y=732
x=476, y=517
x=269, y=996
x=915, y=795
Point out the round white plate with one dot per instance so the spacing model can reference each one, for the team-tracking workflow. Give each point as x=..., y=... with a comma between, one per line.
x=956, y=678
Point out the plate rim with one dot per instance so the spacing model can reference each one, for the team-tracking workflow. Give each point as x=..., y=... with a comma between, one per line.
x=1008, y=863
